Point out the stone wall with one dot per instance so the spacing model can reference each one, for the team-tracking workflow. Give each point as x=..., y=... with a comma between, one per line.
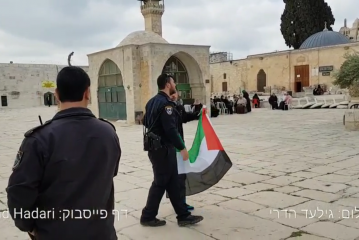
x=145, y=77
x=218, y=57
x=233, y=73
x=279, y=67
x=22, y=83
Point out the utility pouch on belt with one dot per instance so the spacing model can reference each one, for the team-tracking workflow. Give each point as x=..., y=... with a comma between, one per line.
x=151, y=141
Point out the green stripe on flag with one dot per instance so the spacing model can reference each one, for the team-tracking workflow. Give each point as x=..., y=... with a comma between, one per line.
x=196, y=145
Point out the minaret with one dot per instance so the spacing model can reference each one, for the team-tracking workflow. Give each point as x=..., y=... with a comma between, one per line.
x=152, y=11
x=345, y=22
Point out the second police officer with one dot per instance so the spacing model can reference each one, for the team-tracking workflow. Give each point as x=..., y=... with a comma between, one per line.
x=66, y=167
x=183, y=117
x=161, y=141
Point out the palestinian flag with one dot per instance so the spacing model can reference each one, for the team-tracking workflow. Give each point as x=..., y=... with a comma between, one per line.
x=208, y=162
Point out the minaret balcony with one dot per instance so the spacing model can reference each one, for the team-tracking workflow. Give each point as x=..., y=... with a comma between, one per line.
x=153, y=6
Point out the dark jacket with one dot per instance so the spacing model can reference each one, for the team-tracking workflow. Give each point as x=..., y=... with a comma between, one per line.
x=246, y=96
x=161, y=118
x=273, y=99
x=66, y=167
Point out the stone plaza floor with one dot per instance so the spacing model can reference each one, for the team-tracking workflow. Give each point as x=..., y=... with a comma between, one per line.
x=295, y=175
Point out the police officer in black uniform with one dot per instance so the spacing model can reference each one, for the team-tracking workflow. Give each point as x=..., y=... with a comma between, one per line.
x=64, y=170
x=183, y=117
x=161, y=141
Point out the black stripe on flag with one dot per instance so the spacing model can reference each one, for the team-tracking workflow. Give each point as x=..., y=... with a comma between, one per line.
x=199, y=182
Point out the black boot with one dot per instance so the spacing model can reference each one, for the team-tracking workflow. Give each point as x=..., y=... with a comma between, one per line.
x=190, y=220
x=153, y=223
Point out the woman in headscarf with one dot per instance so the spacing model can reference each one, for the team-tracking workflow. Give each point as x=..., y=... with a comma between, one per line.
x=273, y=101
x=241, y=104
x=197, y=106
x=246, y=96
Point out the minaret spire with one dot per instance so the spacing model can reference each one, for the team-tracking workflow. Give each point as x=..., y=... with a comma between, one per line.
x=152, y=11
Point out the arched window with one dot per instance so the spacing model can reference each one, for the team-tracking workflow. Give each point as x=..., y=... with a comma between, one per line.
x=109, y=75
x=176, y=68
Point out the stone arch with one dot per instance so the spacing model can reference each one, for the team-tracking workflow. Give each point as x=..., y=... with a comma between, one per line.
x=188, y=76
x=176, y=68
x=111, y=92
x=261, y=80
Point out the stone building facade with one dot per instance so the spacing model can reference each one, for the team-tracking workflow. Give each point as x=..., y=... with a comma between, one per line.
x=27, y=85
x=291, y=70
x=124, y=77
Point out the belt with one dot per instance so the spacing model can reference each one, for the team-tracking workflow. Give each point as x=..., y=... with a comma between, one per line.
x=167, y=146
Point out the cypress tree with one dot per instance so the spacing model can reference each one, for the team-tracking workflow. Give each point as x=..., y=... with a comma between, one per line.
x=303, y=18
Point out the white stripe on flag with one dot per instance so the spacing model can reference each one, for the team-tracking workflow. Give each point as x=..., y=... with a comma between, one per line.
x=204, y=160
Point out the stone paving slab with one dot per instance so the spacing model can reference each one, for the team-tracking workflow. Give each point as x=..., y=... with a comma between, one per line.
x=295, y=176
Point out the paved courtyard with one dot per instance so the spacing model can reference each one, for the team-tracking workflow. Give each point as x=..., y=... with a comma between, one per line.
x=295, y=175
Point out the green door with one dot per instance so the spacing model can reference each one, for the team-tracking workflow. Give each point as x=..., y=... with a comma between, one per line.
x=112, y=103
x=111, y=93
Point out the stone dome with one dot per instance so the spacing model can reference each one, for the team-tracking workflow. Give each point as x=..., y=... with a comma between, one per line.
x=140, y=38
x=323, y=39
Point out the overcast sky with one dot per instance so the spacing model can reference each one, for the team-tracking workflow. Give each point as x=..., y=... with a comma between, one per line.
x=46, y=31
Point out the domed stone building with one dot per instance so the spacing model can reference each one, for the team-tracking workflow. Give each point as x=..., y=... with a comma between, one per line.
x=324, y=39
x=293, y=70
x=124, y=77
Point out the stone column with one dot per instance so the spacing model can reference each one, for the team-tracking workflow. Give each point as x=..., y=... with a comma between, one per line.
x=198, y=92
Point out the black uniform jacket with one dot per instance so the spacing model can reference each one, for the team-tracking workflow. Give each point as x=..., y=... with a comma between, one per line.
x=161, y=118
x=63, y=175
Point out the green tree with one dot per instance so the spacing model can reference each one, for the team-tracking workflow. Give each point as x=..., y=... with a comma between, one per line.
x=303, y=18
x=348, y=74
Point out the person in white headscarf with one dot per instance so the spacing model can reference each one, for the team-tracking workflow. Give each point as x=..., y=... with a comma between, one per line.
x=241, y=104
x=286, y=100
x=197, y=106
x=241, y=100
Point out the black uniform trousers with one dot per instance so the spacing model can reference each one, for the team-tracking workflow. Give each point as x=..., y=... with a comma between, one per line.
x=182, y=182
x=165, y=170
